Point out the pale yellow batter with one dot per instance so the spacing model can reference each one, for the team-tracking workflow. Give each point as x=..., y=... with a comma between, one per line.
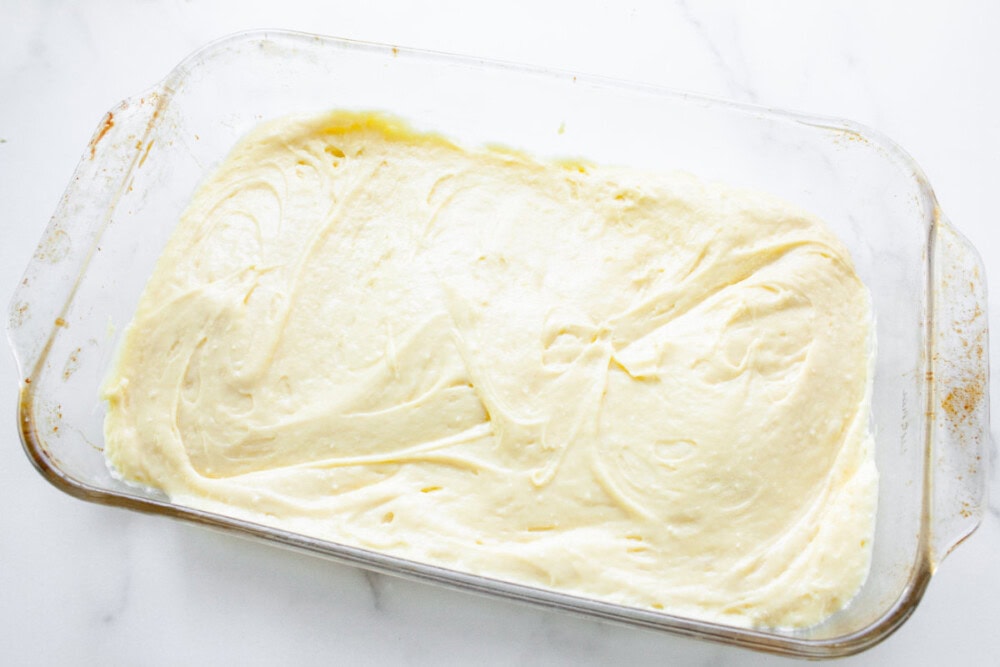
x=620, y=384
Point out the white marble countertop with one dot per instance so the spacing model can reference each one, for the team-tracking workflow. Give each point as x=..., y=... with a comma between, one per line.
x=83, y=584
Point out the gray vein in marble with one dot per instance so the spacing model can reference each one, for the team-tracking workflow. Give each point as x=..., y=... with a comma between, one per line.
x=737, y=88
x=112, y=615
x=861, y=78
x=575, y=642
x=376, y=584
x=116, y=604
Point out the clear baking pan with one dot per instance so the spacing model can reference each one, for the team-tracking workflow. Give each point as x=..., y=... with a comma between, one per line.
x=930, y=408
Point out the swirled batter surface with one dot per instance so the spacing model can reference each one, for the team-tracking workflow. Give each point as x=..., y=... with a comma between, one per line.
x=621, y=384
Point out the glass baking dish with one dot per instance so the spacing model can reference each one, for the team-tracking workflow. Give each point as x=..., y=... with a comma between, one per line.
x=929, y=411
